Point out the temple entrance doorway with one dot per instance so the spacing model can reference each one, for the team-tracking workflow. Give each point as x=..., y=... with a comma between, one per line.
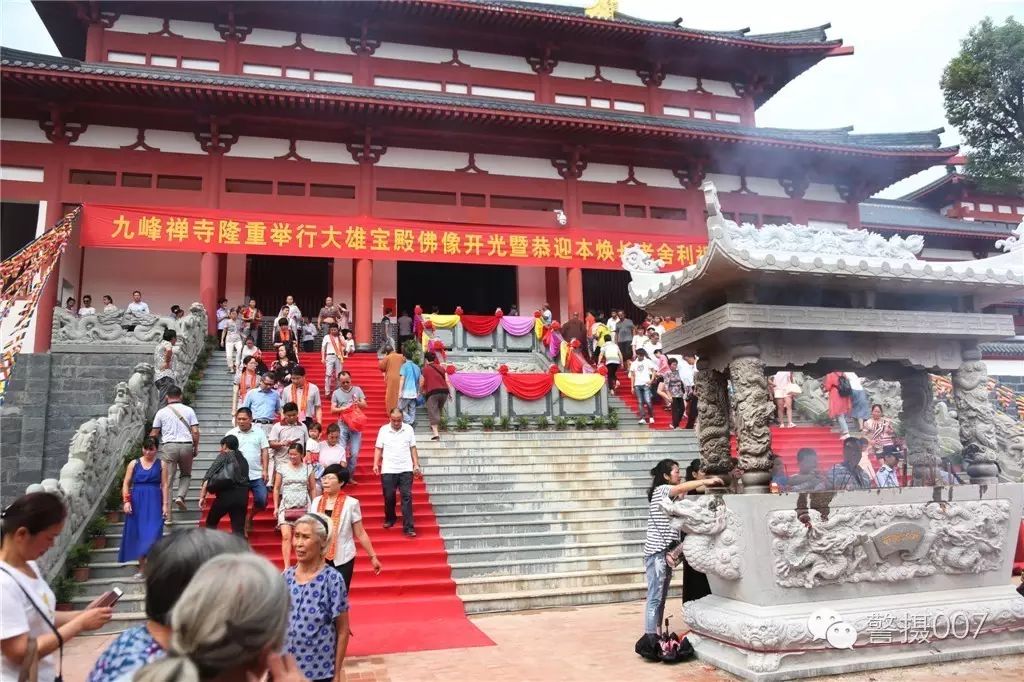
x=605, y=290
x=479, y=289
x=269, y=279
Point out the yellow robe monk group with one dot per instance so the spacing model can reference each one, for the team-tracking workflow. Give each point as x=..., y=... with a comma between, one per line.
x=391, y=365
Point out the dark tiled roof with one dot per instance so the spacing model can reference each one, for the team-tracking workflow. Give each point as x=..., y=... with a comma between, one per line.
x=910, y=142
x=1007, y=349
x=900, y=213
x=814, y=36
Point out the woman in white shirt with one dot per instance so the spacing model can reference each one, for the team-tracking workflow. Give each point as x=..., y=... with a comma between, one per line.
x=346, y=524
x=783, y=399
x=611, y=356
x=27, y=605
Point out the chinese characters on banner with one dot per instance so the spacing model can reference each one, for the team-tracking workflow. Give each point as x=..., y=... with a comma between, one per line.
x=219, y=231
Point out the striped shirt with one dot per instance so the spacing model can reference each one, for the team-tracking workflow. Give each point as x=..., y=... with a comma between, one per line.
x=660, y=533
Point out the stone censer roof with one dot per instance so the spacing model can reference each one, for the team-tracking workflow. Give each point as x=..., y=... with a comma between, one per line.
x=802, y=256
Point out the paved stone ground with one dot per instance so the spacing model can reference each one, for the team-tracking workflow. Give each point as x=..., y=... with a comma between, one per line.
x=524, y=652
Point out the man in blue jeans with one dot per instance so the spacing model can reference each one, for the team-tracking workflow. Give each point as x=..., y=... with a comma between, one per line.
x=641, y=372
x=255, y=447
x=344, y=397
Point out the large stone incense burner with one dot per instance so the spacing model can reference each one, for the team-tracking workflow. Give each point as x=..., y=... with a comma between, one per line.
x=827, y=582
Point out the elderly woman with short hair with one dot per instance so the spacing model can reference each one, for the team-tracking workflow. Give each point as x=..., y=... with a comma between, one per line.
x=318, y=621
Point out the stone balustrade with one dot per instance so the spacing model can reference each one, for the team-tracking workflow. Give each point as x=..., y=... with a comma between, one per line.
x=100, y=445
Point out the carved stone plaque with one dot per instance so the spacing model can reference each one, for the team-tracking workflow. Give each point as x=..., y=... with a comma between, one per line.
x=897, y=537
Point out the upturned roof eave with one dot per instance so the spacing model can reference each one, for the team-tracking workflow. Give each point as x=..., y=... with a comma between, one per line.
x=227, y=87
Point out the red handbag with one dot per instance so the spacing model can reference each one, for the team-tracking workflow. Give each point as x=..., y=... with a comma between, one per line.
x=354, y=418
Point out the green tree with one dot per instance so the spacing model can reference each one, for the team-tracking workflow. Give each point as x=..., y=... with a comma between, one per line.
x=983, y=88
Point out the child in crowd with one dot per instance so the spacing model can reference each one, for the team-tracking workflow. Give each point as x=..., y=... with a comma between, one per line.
x=350, y=344
x=313, y=452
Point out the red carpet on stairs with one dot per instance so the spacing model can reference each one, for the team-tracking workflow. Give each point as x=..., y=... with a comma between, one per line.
x=785, y=442
x=412, y=604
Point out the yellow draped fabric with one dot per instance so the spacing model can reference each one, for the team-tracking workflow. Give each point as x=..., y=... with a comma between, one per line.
x=579, y=386
x=442, y=321
x=563, y=352
x=538, y=328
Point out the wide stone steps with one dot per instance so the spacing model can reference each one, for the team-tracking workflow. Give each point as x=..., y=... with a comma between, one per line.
x=554, y=518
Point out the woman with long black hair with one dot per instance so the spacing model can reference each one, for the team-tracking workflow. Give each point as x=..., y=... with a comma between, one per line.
x=695, y=583
x=661, y=538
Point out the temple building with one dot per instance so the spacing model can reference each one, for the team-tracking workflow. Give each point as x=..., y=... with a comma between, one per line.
x=443, y=153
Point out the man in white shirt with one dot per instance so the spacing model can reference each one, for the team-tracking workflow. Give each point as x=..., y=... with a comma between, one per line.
x=177, y=429
x=613, y=322
x=138, y=306
x=255, y=447
x=658, y=327
x=332, y=352
x=222, y=318
x=86, y=308
x=652, y=343
x=641, y=372
x=396, y=460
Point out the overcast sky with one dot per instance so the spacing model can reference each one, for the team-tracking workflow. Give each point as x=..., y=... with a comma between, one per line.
x=890, y=83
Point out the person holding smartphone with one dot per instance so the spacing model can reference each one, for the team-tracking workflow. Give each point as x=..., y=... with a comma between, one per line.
x=31, y=630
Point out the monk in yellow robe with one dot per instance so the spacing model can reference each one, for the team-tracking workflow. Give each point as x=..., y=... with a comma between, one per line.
x=391, y=365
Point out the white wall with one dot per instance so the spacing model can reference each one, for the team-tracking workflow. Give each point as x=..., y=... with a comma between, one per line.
x=234, y=285
x=342, y=289
x=530, y=288
x=165, y=278
x=385, y=285
x=1005, y=368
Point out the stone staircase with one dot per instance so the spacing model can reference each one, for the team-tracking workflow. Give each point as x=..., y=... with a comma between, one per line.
x=542, y=519
x=212, y=406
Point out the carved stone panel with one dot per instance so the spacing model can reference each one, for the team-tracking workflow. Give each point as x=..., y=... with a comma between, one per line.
x=887, y=543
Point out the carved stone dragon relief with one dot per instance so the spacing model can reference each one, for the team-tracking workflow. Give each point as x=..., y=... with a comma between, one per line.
x=886, y=543
x=713, y=534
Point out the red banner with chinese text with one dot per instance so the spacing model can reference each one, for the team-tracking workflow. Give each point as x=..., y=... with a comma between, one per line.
x=319, y=236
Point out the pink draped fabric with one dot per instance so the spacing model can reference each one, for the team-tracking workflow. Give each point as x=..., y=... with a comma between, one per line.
x=517, y=325
x=554, y=344
x=475, y=384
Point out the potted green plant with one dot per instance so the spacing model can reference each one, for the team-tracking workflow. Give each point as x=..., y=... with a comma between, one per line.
x=522, y=422
x=505, y=422
x=487, y=422
x=96, y=531
x=542, y=423
x=613, y=420
x=597, y=422
x=442, y=423
x=462, y=423
x=561, y=423
x=115, y=505
x=78, y=560
x=64, y=590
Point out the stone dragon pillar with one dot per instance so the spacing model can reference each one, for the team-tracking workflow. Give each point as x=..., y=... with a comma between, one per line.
x=753, y=415
x=976, y=417
x=919, y=421
x=713, y=413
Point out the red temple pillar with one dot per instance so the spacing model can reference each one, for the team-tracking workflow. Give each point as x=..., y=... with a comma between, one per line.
x=94, y=42
x=209, y=276
x=552, y=292
x=362, y=299
x=574, y=295
x=49, y=297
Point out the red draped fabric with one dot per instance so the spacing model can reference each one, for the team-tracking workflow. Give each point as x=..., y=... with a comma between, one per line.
x=479, y=325
x=574, y=362
x=528, y=386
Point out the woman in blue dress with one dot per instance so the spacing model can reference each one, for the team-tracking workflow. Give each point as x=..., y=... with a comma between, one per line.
x=146, y=505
